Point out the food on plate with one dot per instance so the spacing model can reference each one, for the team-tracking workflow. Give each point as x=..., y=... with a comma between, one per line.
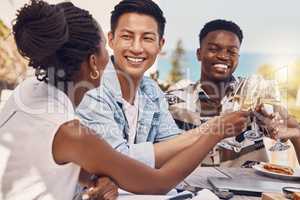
x=278, y=169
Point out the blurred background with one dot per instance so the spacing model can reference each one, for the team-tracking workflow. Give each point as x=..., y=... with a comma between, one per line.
x=270, y=47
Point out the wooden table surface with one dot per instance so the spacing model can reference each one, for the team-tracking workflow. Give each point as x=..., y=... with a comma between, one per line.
x=199, y=178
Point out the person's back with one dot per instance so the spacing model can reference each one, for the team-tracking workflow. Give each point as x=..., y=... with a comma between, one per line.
x=28, y=123
x=51, y=38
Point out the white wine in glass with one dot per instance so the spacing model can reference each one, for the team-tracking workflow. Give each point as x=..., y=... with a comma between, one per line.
x=249, y=96
x=272, y=97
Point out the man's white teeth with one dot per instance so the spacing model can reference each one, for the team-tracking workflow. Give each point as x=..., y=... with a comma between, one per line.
x=222, y=66
x=135, y=59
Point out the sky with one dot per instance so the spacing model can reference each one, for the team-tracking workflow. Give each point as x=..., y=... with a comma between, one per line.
x=269, y=26
x=100, y=9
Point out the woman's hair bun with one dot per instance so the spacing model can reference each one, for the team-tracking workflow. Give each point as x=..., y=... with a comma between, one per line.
x=40, y=29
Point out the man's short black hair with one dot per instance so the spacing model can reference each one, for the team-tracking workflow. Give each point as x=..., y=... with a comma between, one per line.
x=221, y=24
x=147, y=7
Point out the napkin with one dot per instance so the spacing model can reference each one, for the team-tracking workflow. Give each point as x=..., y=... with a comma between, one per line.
x=205, y=194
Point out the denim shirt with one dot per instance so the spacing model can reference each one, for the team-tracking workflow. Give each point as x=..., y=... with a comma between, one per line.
x=102, y=110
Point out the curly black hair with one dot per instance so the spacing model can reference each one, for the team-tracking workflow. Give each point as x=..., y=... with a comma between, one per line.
x=147, y=7
x=55, y=39
x=221, y=24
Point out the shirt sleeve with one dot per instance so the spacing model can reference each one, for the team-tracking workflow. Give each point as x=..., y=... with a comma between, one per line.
x=167, y=127
x=46, y=124
x=183, y=109
x=96, y=113
x=143, y=152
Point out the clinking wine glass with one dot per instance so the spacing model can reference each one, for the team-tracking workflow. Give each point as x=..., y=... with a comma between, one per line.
x=249, y=96
x=271, y=98
x=245, y=98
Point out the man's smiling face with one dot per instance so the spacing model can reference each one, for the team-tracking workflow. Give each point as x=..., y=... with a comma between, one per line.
x=135, y=43
x=219, y=55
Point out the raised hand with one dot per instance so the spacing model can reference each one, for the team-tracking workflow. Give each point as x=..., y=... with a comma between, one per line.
x=279, y=125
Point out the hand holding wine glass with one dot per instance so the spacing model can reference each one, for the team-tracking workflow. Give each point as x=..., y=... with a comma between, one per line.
x=285, y=128
x=244, y=98
x=249, y=96
x=271, y=99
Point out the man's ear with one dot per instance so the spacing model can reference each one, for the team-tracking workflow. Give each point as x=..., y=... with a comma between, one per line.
x=199, y=54
x=110, y=38
x=161, y=43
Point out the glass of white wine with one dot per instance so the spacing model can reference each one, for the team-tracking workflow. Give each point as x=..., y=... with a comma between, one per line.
x=249, y=96
x=271, y=97
x=244, y=97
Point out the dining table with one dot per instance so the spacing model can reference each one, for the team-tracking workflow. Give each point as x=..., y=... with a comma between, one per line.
x=199, y=178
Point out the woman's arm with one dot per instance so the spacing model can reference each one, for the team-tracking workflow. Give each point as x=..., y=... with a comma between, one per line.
x=78, y=144
x=167, y=149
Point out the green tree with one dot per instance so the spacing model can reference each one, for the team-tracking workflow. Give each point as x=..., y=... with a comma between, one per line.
x=177, y=60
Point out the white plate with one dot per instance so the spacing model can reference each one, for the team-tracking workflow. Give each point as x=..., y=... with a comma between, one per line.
x=259, y=168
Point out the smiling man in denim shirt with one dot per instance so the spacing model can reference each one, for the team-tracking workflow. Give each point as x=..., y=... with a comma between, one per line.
x=104, y=110
x=129, y=110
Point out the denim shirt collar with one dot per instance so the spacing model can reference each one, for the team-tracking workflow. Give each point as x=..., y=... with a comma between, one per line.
x=111, y=82
x=151, y=92
x=149, y=100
